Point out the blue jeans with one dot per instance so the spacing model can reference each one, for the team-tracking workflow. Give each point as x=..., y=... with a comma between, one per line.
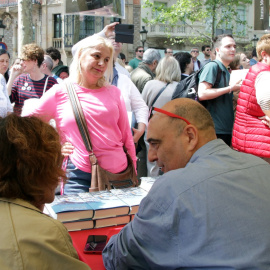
x=78, y=180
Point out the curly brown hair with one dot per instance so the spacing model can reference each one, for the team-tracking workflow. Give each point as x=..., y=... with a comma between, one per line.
x=30, y=158
x=32, y=52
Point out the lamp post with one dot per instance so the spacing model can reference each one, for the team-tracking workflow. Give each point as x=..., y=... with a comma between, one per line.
x=2, y=28
x=254, y=41
x=143, y=34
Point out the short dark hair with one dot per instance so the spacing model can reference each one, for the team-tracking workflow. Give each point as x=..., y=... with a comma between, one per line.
x=30, y=158
x=204, y=47
x=183, y=58
x=53, y=53
x=138, y=48
x=217, y=40
x=122, y=56
x=165, y=51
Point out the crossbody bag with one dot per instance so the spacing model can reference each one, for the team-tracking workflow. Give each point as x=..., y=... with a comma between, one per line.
x=101, y=179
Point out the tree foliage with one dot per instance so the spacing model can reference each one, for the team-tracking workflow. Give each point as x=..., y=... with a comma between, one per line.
x=210, y=13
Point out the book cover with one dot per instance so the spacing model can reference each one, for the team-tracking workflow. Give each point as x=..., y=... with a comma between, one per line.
x=147, y=182
x=105, y=204
x=131, y=196
x=78, y=225
x=69, y=208
x=113, y=221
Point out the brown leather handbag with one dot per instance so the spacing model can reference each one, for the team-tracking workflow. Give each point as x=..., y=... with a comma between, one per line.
x=101, y=179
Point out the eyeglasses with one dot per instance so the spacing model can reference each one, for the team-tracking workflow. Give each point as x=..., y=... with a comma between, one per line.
x=195, y=51
x=167, y=113
x=140, y=50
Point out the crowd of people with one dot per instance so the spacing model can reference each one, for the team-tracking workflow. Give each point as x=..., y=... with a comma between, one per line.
x=207, y=184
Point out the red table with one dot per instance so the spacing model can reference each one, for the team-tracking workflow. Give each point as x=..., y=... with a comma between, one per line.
x=79, y=239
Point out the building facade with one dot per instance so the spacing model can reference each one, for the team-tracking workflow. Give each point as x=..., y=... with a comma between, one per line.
x=157, y=35
x=52, y=27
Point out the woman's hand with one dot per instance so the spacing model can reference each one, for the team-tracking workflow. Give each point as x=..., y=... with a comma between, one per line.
x=67, y=149
x=15, y=71
x=109, y=29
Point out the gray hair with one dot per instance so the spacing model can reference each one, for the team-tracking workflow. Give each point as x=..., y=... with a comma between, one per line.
x=48, y=61
x=168, y=70
x=150, y=55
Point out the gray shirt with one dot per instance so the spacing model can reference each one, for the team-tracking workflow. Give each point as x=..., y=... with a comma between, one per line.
x=151, y=90
x=212, y=214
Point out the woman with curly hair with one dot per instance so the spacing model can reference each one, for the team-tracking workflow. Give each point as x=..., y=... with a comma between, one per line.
x=30, y=169
x=31, y=83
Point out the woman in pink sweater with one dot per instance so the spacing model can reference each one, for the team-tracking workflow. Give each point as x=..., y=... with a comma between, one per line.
x=104, y=110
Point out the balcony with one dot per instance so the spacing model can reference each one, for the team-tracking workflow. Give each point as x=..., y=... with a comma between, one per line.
x=57, y=43
x=162, y=30
x=12, y=3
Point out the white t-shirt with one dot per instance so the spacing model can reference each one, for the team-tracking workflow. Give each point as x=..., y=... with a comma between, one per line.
x=5, y=105
x=262, y=86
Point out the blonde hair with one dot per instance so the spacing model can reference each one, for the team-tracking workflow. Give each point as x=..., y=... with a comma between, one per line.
x=168, y=70
x=263, y=45
x=75, y=67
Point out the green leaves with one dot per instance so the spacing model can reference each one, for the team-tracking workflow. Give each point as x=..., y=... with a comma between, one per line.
x=212, y=14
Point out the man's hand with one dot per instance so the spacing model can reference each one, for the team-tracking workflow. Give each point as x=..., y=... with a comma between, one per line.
x=137, y=133
x=236, y=86
x=109, y=29
x=266, y=120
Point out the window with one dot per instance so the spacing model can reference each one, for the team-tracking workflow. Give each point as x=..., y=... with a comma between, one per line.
x=87, y=27
x=69, y=29
x=240, y=28
x=158, y=5
x=34, y=33
x=57, y=26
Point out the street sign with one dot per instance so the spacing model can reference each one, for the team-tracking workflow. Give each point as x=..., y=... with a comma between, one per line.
x=3, y=45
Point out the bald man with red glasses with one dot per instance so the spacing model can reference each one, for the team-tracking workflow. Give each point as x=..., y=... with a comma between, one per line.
x=209, y=210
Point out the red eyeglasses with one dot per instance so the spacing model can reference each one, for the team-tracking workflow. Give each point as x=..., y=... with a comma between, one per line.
x=167, y=113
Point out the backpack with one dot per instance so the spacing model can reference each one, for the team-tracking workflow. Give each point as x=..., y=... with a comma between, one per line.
x=188, y=88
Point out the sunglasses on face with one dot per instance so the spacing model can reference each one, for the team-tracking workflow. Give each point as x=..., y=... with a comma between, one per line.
x=140, y=50
x=167, y=113
x=195, y=51
x=208, y=50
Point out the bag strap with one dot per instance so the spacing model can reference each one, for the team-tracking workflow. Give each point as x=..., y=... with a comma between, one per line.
x=220, y=72
x=159, y=93
x=79, y=116
x=45, y=85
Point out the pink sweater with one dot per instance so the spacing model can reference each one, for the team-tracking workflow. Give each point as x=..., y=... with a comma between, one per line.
x=106, y=116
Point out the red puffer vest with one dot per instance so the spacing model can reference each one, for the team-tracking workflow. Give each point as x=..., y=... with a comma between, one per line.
x=250, y=135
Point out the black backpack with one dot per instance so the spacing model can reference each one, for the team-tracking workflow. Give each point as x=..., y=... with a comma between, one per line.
x=188, y=88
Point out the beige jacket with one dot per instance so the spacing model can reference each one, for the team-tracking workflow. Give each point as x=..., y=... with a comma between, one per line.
x=32, y=240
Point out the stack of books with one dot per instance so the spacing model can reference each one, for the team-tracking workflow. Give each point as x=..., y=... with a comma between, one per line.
x=98, y=209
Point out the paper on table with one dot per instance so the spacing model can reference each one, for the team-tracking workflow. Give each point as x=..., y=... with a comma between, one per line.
x=237, y=75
